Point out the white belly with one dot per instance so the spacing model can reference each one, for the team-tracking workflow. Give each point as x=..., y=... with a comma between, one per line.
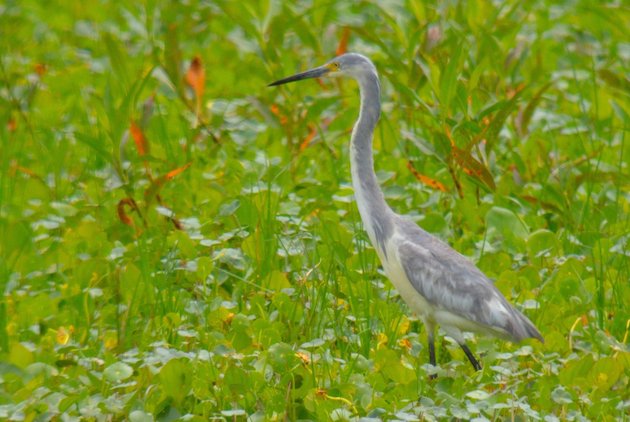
x=396, y=274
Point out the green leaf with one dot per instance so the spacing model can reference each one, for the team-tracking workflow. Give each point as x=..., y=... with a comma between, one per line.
x=498, y=120
x=541, y=242
x=281, y=356
x=230, y=256
x=605, y=373
x=478, y=395
x=526, y=116
x=140, y=416
x=20, y=355
x=448, y=79
x=506, y=222
x=117, y=58
x=561, y=396
x=237, y=380
x=173, y=58
x=278, y=281
x=118, y=372
x=389, y=363
x=176, y=379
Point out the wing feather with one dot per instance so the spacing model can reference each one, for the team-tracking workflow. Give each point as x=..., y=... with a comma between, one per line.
x=449, y=281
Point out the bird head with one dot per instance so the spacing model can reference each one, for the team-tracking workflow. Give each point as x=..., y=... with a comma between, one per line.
x=349, y=65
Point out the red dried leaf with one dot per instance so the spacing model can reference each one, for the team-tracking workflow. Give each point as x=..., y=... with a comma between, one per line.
x=513, y=91
x=313, y=131
x=276, y=110
x=196, y=77
x=343, y=42
x=307, y=140
x=12, y=125
x=15, y=167
x=426, y=179
x=175, y=172
x=156, y=184
x=40, y=69
x=470, y=164
x=122, y=214
x=405, y=343
x=142, y=145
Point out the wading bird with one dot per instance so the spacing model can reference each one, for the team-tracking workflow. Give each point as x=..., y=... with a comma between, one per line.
x=440, y=285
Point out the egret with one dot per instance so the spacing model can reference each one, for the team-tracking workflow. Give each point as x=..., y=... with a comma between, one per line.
x=439, y=284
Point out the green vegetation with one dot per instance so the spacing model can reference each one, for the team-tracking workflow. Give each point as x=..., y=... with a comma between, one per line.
x=179, y=241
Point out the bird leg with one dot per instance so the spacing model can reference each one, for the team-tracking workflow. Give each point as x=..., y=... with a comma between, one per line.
x=431, y=352
x=471, y=357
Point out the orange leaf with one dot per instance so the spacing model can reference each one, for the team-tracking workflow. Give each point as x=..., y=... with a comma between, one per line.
x=426, y=179
x=276, y=110
x=196, y=77
x=122, y=214
x=306, y=359
x=40, y=69
x=142, y=145
x=343, y=42
x=307, y=140
x=156, y=184
x=405, y=343
x=15, y=167
x=64, y=334
x=313, y=131
x=12, y=125
x=473, y=167
x=447, y=130
x=470, y=164
x=175, y=172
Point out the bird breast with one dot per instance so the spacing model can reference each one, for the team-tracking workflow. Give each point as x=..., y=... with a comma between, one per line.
x=394, y=270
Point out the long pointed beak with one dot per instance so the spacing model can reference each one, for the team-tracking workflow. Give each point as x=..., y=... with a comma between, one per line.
x=313, y=73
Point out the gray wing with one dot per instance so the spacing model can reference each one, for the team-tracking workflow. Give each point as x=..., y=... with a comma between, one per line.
x=450, y=281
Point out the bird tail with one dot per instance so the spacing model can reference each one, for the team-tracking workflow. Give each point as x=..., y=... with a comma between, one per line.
x=524, y=328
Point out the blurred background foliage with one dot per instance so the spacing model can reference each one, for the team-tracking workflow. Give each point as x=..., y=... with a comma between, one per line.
x=178, y=241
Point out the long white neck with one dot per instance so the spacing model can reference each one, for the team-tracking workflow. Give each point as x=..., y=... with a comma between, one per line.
x=375, y=213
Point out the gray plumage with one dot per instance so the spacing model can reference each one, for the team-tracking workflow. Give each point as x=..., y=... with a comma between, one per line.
x=439, y=284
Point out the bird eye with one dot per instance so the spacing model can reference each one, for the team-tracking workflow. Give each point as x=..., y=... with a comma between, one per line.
x=335, y=66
